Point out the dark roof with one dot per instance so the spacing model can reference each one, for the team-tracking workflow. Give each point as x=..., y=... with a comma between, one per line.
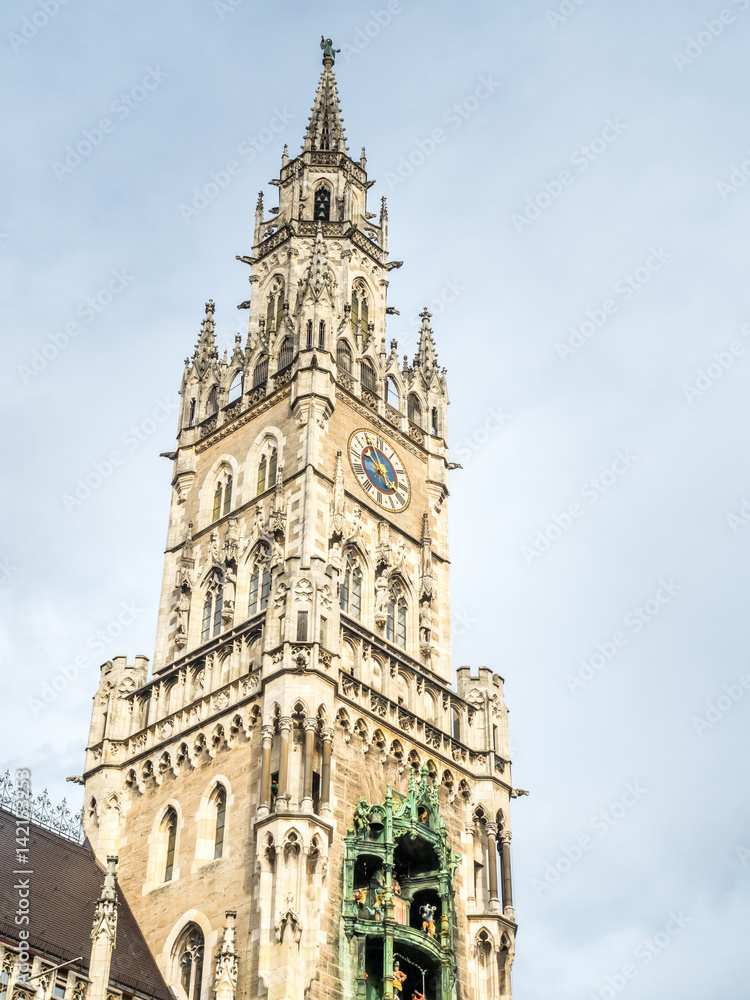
x=66, y=882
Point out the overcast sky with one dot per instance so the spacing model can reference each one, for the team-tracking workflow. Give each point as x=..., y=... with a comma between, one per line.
x=580, y=229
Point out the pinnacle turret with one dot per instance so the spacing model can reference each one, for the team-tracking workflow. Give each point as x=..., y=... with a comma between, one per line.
x=205, y=350
x=426, y=356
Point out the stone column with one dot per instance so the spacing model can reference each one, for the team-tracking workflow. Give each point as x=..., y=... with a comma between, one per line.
x=285, y=727
x=325, y=777
x=506, y=873
x=311, y=726
x=492, y=858
x=265, y=773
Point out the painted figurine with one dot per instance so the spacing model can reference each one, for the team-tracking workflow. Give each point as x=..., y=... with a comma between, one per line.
x=399, y=977
x=427, y=914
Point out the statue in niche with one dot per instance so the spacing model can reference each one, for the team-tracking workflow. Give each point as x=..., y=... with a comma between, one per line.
x=425, y=623
x=381, y=598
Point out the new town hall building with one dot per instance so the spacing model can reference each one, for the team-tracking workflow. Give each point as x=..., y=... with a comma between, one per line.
x=300, y=803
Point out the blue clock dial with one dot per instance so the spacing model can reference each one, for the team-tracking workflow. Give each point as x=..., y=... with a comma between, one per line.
x=379, y=471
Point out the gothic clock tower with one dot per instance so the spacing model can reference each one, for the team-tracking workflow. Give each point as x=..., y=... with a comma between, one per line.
x=302, y=804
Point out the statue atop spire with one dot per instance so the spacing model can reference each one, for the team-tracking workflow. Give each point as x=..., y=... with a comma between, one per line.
x=329, y=53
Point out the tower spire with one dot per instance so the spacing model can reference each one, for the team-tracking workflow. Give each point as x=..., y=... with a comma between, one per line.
x=325, y=129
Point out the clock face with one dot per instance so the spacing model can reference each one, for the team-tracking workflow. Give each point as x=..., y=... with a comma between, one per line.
x=380, y=471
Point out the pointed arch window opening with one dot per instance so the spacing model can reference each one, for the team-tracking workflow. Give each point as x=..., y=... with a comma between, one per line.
x=260, y=588
x=367, y=376
x=395, y=625
x=392, y=395
x=220, y=806
x=322, y=205
x=222, y=497
x=212, y=405
x=350, y=599
x=414, y=409
x=322, y=334
x=236, y=388
x=286, y=354
x=344, y=356
x=260, y=372
x=191, y=964
x=191, y=418
x=212, y=608
x=267, y=471
x=309, y=334
x=170, y=828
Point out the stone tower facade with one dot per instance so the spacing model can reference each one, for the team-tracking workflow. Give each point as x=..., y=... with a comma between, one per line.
x=301, y=803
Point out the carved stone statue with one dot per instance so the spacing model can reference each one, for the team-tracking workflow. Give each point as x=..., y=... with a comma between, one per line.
x=381, y=599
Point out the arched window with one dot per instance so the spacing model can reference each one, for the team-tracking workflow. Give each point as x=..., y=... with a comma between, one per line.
x=222, y=497
x=189, y=961
x=275, y=307
x=395, y=625
x=309, y=334
x=414, y=409
x=235, y=389
x=286, y=354
x=392, y=396
x=403, y=691
x=344, y=356
x=430, y=708
x=260, y=582
x=322, y=210
x=435, y=422
x=212, y=608
x=455, y=723
x=191, y=418
x=169, y=831
x=350, y=598
x=267, y=468
x=260, y=372
x=322, y=334
x=360, y=311
x=367, y=376
x=262, y=474
x=219, y=806
x=213, y=401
